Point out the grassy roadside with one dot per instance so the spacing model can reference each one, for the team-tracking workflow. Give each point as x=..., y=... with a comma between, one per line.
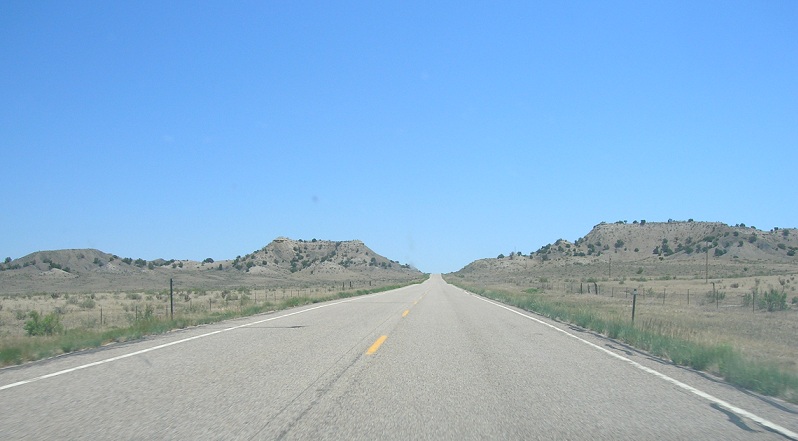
x=722, y=360
x=17, y=350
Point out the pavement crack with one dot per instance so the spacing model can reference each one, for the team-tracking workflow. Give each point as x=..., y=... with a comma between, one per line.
x=295, y=410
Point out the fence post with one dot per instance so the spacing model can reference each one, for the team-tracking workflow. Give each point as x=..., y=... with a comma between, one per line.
x=688, y=297
x=171, y=302
x=634, y=304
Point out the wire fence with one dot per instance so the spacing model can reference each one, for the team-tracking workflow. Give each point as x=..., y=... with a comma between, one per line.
x=120, y=309
x=711, y=296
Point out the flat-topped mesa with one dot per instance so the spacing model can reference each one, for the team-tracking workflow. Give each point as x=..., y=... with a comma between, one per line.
x=678, y=242
x=283, y=262
x=284, y=254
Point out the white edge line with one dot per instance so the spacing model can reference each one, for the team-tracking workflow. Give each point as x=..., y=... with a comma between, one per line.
x=166, y=345
x=741, y=412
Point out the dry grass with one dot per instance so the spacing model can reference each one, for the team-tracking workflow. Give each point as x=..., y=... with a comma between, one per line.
x=141, y=315
x=106, y=310
x=756, y=334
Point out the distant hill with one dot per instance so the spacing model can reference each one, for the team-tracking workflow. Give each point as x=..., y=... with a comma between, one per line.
x=322, y=257
x=679, y=240
x=667, y=247
x=283, y=262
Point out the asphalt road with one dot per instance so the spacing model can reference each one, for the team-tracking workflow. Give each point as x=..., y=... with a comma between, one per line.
x=428, y=361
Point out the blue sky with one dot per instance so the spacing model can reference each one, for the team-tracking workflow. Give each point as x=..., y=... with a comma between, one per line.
x=436, y=132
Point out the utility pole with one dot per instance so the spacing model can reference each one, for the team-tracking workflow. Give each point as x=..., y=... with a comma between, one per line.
x=706, y=267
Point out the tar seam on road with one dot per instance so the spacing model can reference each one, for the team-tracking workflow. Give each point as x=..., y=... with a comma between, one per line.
x=741, y=412
x=165, y=345
x=377, y=345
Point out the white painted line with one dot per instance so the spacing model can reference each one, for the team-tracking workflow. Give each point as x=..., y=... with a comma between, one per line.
x=176, y=342
x=740, y=412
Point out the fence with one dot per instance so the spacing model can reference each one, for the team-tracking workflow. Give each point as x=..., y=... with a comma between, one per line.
x=711, y=295
x=108, y=310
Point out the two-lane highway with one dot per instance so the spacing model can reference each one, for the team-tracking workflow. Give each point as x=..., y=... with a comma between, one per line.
x=425, y=361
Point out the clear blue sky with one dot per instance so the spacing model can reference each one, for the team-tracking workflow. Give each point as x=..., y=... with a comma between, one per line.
x=437, y=133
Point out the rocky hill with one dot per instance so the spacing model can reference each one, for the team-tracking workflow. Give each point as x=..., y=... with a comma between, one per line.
x=283, y=262
x=664, y=248
x=679, y=240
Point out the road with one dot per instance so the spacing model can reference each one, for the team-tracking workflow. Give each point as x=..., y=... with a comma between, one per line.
x=428, y=361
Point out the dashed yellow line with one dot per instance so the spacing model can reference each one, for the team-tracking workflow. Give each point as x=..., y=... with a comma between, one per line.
x=376, y=345
x=404, y=314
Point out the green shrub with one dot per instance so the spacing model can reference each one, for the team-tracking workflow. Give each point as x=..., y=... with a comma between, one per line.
x=48, y=325
x=773, y=300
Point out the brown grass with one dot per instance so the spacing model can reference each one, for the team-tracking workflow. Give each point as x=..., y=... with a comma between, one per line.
x=756, y=334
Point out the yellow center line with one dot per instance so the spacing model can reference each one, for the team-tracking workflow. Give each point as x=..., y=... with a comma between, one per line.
x=404, y=314
x=376, y=345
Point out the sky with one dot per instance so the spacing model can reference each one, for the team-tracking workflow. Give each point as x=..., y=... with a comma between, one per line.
x=437, y=133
